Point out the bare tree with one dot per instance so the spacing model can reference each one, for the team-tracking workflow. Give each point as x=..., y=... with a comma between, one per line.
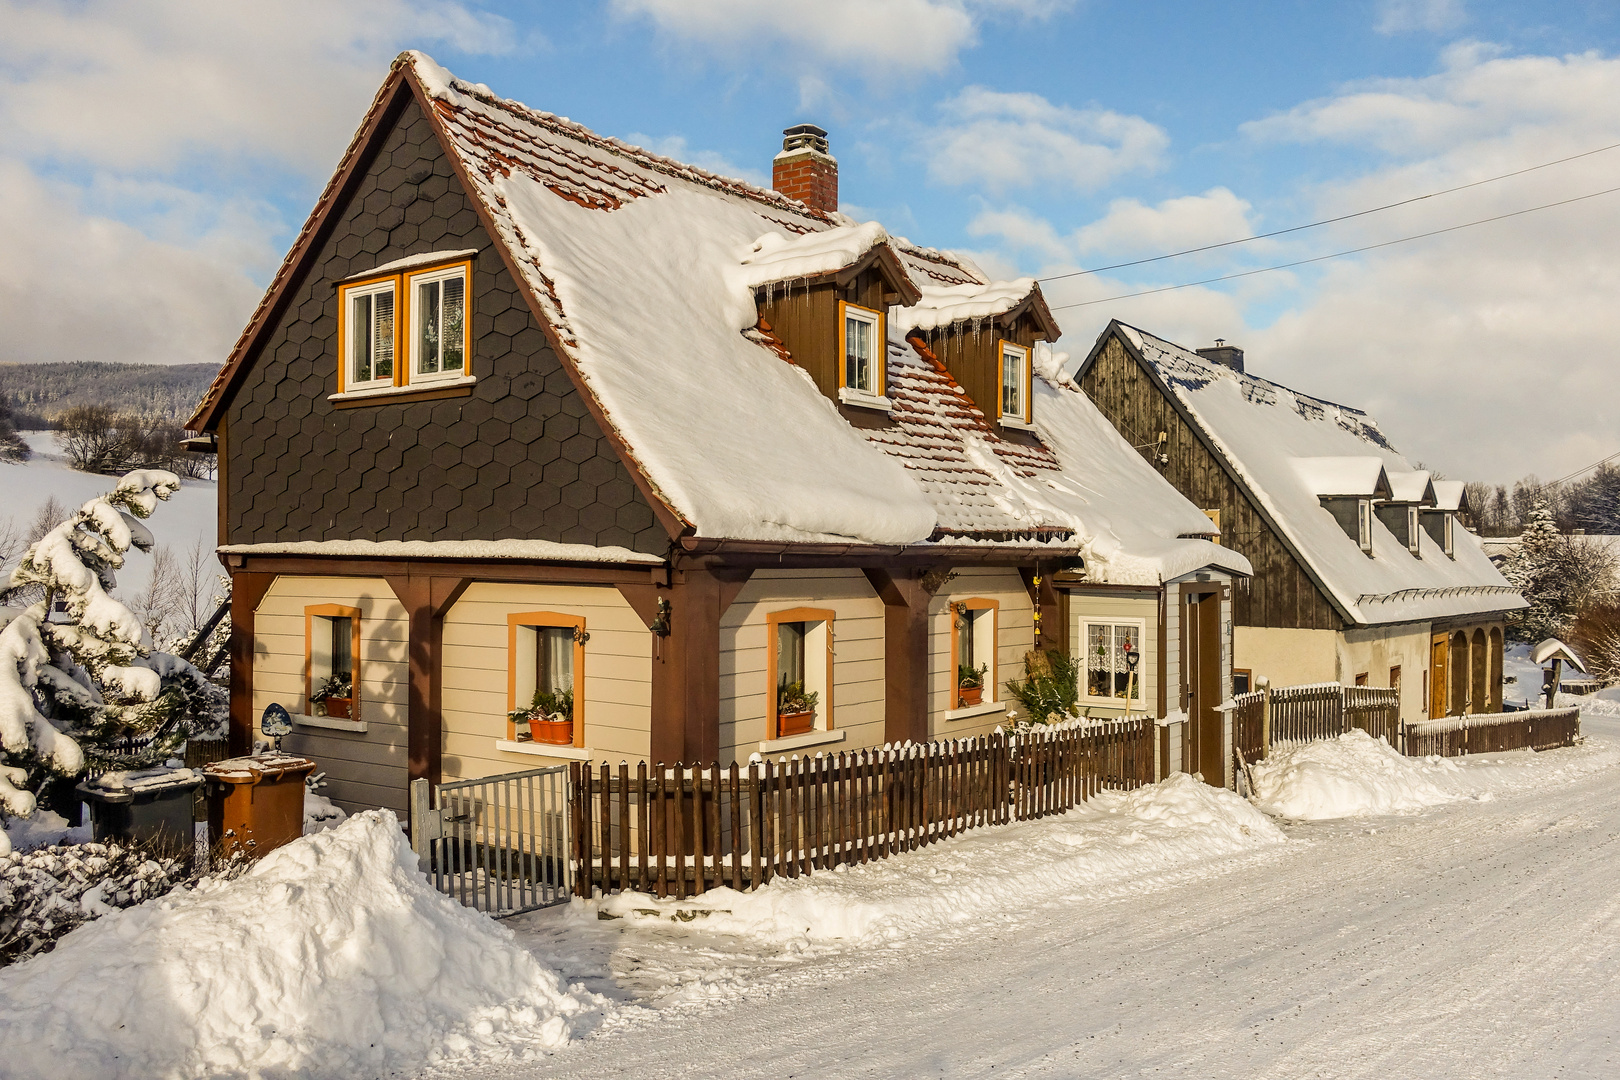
x=46, y=518
x=159, y=606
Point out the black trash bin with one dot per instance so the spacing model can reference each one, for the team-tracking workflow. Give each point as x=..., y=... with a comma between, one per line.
x=147, y=806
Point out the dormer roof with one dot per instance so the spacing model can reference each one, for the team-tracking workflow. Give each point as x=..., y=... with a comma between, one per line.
x=838, y=254
x=1451, y=495
x=1344, y=477
x=1411, y=487
x=941, y=305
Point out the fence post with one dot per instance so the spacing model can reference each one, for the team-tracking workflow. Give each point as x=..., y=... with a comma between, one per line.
x=421, y=807
x=1263, y=684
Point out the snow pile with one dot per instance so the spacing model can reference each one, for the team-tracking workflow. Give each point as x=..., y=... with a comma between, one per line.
x=43, y=828
x=320, y=813
x=1114, y=836
x=1351, y=775
x=331, y=957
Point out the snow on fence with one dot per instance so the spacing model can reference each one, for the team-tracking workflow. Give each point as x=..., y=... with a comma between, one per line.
x=1317, y=711
x=681, y=831
x=1487, y=733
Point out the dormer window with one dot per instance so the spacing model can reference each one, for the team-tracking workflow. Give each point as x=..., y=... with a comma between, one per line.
x=1449, y=522
x=1413, y=533
x=861, y=374
x=1364, y=515
x=1014, y=384
x=368, y=359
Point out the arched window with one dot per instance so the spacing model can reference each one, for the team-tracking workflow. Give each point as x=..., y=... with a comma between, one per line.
x=1479, y=699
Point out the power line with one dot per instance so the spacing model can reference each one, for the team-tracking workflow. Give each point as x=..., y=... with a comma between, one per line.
x=1328, y=221
x=1581, y=472
x=1336, y=254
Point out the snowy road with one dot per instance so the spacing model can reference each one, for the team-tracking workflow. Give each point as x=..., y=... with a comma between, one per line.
x=1477, y=939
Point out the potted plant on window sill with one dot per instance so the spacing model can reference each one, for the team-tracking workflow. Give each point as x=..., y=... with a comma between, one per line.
x=970, y=684
x=334, y=698
x=550, y=717
x=795, y=710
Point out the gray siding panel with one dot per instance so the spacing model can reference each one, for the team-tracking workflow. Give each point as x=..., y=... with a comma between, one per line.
x=520, y=458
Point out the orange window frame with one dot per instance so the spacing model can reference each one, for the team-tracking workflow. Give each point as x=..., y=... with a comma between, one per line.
x=404, y=358
x=880, y=347
x=531, y=619
x=993, y=677
x=1002, y=345
x=331, y=611
x=791, y=615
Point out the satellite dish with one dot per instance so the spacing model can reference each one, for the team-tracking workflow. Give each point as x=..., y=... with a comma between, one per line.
x=275, y=723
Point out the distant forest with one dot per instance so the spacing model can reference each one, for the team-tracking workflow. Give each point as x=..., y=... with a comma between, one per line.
x=40, y=393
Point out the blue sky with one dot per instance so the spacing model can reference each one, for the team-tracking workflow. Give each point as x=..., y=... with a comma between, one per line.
x=161, y=156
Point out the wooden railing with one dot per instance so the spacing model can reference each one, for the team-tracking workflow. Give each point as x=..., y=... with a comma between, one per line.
x=1487, y=733
x=682, y=831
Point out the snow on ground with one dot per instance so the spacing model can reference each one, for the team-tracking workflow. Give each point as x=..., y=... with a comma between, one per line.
x=191, y=513
x=45, y=827
x=331, y=958
x=1357, y=775
x=716, y=947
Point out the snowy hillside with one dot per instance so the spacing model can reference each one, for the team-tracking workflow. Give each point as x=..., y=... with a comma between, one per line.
x=178, y=524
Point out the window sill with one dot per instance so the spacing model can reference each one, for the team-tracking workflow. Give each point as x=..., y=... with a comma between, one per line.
x=862, y=400
x=981, y=709
x=1016, y=425
x=332, y=723
x=796, y=742
x=421, y=391
x=1122, y=704
x=562, y=753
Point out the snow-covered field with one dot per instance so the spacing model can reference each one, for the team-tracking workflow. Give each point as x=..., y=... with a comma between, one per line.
x=192, y=512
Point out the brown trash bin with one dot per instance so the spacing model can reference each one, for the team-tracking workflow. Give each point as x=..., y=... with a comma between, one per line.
x=256, y=804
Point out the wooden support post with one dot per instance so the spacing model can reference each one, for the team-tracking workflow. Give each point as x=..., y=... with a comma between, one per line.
x=905, y=654
x=426, y=600
x=686, y=661
x=247, y=591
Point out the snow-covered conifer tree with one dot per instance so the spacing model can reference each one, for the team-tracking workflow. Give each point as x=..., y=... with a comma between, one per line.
x=78, y=676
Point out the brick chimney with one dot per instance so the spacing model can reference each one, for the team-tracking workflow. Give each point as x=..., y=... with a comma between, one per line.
x=1226, y=355
x=804, y=170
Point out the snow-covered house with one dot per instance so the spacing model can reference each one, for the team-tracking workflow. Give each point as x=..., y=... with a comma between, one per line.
x=1362, y=574
x=527, y=409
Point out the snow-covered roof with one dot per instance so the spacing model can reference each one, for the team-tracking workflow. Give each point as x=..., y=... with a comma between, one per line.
x=1450, y=495
x=526, y=550
x=1362, y=477
x=644, y=272
x=1412, y=487
x=1276, y=440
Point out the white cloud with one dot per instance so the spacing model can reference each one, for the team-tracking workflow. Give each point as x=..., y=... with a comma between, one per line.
x=124, y=122
x=1434, y=16
x=1020, y=230
x=899, y=35
x=1002, y=141
x=1132, y=227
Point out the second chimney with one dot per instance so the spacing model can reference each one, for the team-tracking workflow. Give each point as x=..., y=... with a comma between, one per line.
x=1226, y=355
x=804, y=170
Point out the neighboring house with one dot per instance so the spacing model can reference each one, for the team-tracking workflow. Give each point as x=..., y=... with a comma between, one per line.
x=1362, y=573
x=529, y=409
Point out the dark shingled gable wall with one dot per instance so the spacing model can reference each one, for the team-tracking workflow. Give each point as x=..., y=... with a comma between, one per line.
x=520, y=458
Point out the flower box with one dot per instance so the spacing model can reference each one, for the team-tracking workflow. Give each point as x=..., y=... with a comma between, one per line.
x=969, y=695
x=341, y=708
x=552, y=732
x=795, y=723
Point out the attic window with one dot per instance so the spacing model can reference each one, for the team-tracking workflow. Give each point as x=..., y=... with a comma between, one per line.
x=861, y=375
x=438, y=323
x=1364, y=515
x=1413, y=533
x=1014, y=403
x=368, y=359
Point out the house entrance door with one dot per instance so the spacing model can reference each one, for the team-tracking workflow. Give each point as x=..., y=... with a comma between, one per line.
x=1202, y=681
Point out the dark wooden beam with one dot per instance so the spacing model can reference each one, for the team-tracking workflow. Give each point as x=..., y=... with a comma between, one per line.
x=426, y=601
x=905, y=653
x=502, y=570
x=686, y=669
x=247, y=592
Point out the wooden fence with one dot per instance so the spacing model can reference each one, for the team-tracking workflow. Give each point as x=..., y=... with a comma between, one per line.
x=1487, y=733
x=681, y=831
x=1303, y=713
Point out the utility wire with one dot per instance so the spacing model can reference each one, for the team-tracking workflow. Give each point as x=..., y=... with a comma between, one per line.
x=1329, y=221
x=1582, y=472
x=1337, y=254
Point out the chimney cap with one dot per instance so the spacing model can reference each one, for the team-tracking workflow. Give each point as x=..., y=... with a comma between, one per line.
x=805, y=137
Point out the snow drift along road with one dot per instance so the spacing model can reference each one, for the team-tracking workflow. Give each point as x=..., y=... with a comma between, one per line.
x=332, y=958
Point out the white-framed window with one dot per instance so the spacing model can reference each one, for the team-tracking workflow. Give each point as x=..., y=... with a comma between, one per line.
x=369, y=335
x=1450, y=521
x=332, y=661
x=1014, y=382
x=1364, y=517
x=1108, y=673
x=973, y=647
x=545, y=677
x=438, y=333
x=800, y=673
x=861, y=371
x=1414, y=531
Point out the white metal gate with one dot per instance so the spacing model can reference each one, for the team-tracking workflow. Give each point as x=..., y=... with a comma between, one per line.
x=499, y=844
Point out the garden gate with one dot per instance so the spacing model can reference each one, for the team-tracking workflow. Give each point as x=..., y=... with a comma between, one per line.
x=499, y=844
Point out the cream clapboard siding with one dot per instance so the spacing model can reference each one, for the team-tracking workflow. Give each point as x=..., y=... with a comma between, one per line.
x=617, y=678
x=366, y=769
x=857, y=677
x=1015, y=636
x=1089, y=606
